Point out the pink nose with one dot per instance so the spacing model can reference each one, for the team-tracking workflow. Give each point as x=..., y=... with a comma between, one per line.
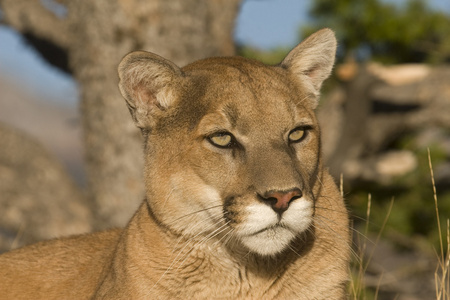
x=280, y=199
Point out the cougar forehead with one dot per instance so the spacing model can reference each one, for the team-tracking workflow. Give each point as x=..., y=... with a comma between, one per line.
x=239, y=84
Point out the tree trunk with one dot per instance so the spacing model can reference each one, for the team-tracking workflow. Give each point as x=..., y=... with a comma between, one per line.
x=95, y=36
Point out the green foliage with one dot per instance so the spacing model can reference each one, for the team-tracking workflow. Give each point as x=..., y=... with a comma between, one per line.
x=384, y=32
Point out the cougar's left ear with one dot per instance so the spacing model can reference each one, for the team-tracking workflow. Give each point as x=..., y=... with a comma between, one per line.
x=312, y=60
x=149, y=84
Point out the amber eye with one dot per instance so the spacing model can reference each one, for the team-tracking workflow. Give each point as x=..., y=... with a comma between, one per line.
x=297, y=135
x=222, y=139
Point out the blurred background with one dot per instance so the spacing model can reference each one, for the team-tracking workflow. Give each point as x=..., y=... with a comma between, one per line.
x=70, y=158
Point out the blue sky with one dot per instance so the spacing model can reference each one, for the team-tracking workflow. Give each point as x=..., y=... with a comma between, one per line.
x=262, y=23
x=270, y=23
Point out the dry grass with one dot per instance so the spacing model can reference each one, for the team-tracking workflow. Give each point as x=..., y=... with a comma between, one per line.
x=441, y=275
x=357, y=285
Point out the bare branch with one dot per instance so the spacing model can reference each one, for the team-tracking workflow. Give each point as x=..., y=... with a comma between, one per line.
x=29, y=16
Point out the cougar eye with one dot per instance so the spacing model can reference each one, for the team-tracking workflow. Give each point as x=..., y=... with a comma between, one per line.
x=221, y=139
x=297, y=135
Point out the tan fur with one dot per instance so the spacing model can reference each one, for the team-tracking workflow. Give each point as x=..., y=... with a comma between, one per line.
x=207, y=229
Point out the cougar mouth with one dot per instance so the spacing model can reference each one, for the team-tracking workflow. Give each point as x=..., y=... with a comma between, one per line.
x=272, y=228
x=269, y=241
x=263, y=230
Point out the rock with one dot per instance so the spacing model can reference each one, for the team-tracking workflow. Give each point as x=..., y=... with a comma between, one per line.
x=38, y=199
x=395, y=163
x=382, y=168
x=397, y=75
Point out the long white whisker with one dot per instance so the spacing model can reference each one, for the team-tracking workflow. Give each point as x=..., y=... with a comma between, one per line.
x=201, y=242
x=168, y=196
x=226, y=235
x=175, y=260
x=293, y=250
x=177, y=257
x=193, y=213
x=186, y=254
x=199, y=224
x=325, y=226
x=323, y=218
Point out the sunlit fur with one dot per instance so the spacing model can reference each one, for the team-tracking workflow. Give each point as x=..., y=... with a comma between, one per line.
x=211, y=226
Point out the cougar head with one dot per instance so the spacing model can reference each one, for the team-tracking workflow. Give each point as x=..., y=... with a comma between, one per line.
x=232, y=146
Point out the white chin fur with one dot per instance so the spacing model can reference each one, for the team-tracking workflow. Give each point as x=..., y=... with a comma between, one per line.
x=268, y=242
x=263, y=233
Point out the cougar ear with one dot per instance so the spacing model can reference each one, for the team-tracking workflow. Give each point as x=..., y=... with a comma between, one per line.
x=148, y=84
x=312, y=60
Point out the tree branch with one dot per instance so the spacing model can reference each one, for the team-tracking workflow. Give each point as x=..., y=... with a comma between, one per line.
x=30, y=16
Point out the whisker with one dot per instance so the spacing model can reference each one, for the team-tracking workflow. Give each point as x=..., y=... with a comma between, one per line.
x=195, y=212
x=325, y=226
x=226, y=235
x=293, y=250
x=204, y=240
x=351, y=228
x=194, y=246
x=174, y=261
x=168, y=196
x=199, y=224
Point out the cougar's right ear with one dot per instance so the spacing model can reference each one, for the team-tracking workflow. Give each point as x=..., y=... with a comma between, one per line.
x=148, y=84
x=312, y=61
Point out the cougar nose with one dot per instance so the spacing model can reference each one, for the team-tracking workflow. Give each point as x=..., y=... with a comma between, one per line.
x=280, y=200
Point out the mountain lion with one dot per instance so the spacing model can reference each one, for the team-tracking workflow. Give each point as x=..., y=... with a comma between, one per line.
x=238, y=204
